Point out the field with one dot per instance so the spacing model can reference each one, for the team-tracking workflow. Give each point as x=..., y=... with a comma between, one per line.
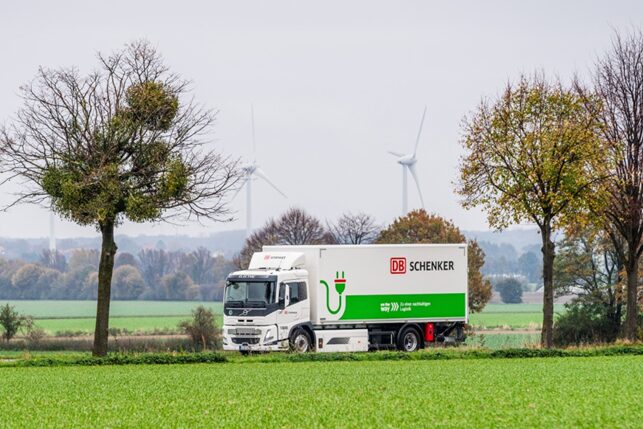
x=539, y=392
x=148, y=316
x=511, y=316
x=55, y=316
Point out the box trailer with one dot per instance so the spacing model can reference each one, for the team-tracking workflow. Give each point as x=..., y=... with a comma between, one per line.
x=347, y=298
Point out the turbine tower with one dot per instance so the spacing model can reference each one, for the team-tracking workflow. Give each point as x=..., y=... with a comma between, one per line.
x=408, y=165
x=52, y=236
x=251, y=170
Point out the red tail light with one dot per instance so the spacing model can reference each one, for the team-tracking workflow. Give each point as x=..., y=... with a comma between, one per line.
x=429, y=333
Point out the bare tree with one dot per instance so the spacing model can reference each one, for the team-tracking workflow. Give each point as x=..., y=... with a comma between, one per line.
x=618, y=80
x=354, y=229
x=119, y=143
x=294, y=227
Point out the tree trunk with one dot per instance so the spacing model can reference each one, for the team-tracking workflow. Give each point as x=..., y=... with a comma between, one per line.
x=105, y=269
x=632, y=310
x=547, y=337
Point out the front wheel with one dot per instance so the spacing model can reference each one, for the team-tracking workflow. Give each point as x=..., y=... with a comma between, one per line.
x=300, y=341
x=410, y=340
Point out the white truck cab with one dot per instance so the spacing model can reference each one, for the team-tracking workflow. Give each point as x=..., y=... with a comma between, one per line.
x=263, y=304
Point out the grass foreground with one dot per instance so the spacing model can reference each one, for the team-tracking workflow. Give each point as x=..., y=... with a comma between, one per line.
x=541, y=392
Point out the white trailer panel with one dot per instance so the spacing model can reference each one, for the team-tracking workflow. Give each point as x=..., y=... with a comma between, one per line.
x=384, y=283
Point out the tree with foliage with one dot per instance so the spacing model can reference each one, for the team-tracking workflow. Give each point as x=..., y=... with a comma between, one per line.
x=53, y=259
x=128, y=283
x=33, y=281
x=618, y=201
x=420, y=227
x=178, y=287
x=294, y=227
x=11, y=321
x=120, y=143
x=359, y=228
x=125, y=258
x=510, y=290
x=527, y=158
x=588, y=265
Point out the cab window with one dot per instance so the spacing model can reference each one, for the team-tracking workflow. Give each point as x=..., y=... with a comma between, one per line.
x=297, y=292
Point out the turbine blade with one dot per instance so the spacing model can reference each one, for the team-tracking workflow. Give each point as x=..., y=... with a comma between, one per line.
x=399, y=155
x=259, y=172
x=243, y=183
x=417, y=183
x=417, y=140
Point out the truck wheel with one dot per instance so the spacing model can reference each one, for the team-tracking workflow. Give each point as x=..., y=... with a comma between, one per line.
x=410, y=340
x=300, y=341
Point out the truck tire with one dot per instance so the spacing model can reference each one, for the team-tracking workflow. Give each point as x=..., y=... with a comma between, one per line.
x=409, y=340
x=300, y=341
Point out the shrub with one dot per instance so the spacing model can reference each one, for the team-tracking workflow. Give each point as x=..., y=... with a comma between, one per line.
x=510, y=291
x=583, y=324
x=201, y=328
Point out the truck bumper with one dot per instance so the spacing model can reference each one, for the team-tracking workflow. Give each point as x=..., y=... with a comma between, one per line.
x=261, y=339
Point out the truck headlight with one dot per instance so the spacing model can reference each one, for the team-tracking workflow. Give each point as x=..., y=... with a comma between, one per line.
x=269, y=335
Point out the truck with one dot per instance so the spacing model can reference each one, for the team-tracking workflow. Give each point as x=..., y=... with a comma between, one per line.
x=347, y=298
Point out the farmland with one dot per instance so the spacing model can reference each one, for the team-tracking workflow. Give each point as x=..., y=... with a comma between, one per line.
x=148, y=316
x=494, y=392
x=56, y=316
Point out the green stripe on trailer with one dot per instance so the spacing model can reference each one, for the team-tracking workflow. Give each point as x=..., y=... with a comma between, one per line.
x=364, y=307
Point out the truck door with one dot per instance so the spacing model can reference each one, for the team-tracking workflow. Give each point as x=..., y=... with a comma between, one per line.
x=296, y=304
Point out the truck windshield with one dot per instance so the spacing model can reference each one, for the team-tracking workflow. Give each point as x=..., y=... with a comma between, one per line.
x=249, y=294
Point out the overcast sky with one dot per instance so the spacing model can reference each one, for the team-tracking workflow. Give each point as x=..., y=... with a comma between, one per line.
x=335, y=84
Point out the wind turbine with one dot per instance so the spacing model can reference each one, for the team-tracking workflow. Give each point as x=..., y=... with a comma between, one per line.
x=408, y=164
x=250, y=170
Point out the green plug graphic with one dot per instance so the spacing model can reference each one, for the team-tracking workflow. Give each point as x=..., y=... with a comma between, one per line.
x=340, y=283
x=340, y=286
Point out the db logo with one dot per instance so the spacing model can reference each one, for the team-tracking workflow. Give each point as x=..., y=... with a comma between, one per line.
x=398, y=265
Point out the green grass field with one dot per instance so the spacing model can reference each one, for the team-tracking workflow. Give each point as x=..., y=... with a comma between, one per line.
x=549, y=392
x=54, y=316
x=511, y=316
x=77, y=309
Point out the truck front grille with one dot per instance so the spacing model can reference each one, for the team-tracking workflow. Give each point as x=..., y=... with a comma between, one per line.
x=245, y=340
x=244, y=331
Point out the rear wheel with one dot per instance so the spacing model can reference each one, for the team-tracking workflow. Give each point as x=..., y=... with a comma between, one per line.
x=300, y=341
x=409, y=340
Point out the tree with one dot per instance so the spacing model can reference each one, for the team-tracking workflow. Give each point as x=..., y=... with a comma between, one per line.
x=420, y=227
x=33, y=281
x=11, y=321
x=589, y=265
x=155, y=264
x=128, y=283
x=527, y=157
x=354, y=229
x=120, y=143
x=55, y=260
x=198, y=264
x=294, y=227
x=510, y=290
x=125, y=258
x=618, y=81
x=178, y=287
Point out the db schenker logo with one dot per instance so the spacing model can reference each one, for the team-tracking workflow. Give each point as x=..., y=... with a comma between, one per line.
x=398, y=265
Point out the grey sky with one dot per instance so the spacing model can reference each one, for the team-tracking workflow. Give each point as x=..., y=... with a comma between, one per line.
x=335, y=84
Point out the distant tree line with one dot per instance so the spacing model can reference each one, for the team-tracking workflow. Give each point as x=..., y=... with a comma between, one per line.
x=152, y=274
